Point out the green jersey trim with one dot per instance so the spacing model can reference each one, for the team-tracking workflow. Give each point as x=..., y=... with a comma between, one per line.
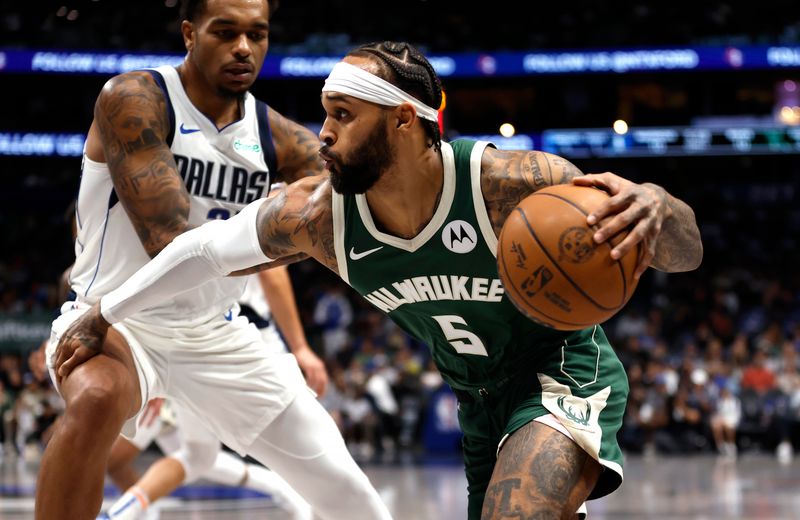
x=477, y=196
x=439, y=216
x=337, y=211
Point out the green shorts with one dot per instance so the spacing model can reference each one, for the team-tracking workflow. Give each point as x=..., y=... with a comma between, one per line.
x=582, y=385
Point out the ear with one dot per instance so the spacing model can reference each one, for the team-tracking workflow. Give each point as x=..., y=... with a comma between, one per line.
x=405, y=114
x=187, y=30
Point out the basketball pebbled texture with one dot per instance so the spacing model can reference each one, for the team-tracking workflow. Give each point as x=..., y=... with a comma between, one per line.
x=552, y=269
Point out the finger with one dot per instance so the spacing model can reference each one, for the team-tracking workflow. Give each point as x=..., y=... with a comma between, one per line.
x=619, y=204
x=323, y=384
x=606, y=181
x=611, y=227
x=315, y=381
x=63, y=353
x=67, y=366
x=648, y=253
x=636, y=235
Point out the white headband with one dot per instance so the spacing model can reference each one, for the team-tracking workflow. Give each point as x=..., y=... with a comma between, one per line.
x=357, y=82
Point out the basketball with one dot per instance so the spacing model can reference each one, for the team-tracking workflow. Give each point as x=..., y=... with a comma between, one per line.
x=552, y=269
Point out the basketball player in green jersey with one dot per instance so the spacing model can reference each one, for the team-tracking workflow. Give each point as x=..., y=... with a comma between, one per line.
x=411, y=223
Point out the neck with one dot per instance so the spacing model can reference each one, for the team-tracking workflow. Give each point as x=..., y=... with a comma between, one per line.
x=222, y=110
x=404, y=200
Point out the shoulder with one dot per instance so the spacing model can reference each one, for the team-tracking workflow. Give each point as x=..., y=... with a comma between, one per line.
x=138, y=82
x=129, y=103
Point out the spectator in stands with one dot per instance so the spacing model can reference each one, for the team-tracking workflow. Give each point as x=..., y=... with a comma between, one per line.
x=756, y=376
x=333, y=313
x=725, y=421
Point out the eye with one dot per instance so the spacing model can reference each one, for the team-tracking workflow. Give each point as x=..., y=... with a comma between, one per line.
x=224, y=34
x=257, y=36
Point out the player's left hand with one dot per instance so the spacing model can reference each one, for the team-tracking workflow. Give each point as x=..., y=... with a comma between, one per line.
x=314, y=369
x=642, y=208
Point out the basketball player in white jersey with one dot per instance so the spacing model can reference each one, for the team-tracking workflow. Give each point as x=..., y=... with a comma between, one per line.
x=167, y=151
x=191, y=450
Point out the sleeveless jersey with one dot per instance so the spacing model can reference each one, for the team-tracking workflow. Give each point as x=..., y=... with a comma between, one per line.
x=223, y=170
x=442, y=287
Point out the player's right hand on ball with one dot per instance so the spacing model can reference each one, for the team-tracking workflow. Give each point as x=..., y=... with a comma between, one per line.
x=82, y=341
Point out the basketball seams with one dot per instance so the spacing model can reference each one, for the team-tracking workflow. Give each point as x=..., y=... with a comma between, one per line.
x=607, y=243
x=502, y=259
x=561, y=270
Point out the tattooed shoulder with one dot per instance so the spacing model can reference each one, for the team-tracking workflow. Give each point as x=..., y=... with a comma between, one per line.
x=131, y=115
x=297, y=148
x=299, y=219
x=507, y=177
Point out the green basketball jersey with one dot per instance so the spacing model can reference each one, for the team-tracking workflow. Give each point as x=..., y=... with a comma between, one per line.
x=442, y=286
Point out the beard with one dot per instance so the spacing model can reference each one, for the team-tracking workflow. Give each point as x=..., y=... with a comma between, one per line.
x=369, y=161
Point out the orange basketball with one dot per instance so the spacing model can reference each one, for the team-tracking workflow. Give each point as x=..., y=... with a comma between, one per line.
x=552, y=269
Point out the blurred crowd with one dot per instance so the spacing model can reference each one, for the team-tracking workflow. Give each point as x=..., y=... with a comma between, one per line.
x=333, y=26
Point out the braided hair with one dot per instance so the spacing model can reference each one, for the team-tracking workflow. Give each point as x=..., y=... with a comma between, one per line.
x=404, y=66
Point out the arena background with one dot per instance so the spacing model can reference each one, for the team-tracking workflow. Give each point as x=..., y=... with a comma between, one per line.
x=701, y=97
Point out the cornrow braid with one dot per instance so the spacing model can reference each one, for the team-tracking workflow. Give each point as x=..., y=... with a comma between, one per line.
x=402, y=65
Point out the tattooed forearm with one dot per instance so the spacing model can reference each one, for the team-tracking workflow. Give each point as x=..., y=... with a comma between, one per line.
x=275, y=241
x=298, y=220
x=679, y=246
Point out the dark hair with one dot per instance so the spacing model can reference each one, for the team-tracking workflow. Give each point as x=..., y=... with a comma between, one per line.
x=193, y=9
x=404, y=66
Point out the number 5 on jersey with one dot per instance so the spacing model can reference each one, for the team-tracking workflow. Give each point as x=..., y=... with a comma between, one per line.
x=464, y=341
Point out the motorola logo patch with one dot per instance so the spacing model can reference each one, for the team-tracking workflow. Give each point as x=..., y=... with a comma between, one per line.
x=459, y=236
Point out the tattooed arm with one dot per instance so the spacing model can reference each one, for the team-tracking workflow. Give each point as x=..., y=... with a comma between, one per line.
x=507, y=177
x=664, y=225
x=296, y=148
x=129, y=134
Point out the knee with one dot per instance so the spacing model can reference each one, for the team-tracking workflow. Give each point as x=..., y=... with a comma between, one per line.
x=98, y=400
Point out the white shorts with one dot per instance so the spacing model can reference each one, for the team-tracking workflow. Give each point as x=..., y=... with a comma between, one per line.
x=218, y=370
x=272, y=340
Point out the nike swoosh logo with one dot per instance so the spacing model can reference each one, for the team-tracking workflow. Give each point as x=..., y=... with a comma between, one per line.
x=188, y=130
x=359, y=256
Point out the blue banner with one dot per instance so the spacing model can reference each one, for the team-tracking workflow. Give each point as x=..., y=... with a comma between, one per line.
x=464, y=65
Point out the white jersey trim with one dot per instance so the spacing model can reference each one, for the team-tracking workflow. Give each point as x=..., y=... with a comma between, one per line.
x=439, y=216
x=176, y=90
x=477, y=196
x=337, y=208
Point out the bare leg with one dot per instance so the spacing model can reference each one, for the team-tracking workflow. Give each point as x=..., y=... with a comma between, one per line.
x=540, y=474
x=162, y=478
x=100, y=395
x=120, y=463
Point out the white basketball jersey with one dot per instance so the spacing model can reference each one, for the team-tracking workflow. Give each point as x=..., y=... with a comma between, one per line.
x=223, y=170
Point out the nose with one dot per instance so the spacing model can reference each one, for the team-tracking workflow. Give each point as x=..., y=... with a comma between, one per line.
x=326, y=135
x=241, y=46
